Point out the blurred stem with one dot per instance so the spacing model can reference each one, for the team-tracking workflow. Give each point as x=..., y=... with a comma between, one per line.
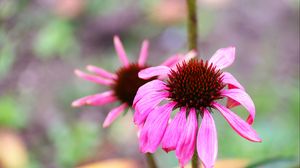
x=150, y=160
x=192, y=24
x=192, y=30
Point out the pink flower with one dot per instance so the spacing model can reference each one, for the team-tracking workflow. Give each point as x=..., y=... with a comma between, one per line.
x=194, y=87
x=123, y=84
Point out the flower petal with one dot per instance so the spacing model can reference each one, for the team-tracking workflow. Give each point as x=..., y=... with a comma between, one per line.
x=187, y=142
x=244, y=99
x=146, y=105
x=230, y=80
x=223, y=58
x=154, y=71
x=101, y=99
x=93, y=78
x=207, y=142
x=174, y=130
x=113, y=114
x=96, y=99
x=239, y=125
x=120, y=51
x=172, y=61
x=143, y=53
x=150, y=87
x=101, y=72
x=154, y=128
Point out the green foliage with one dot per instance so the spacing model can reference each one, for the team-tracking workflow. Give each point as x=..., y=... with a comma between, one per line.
x=10, y=113
x=55, y=39
x=74, y=143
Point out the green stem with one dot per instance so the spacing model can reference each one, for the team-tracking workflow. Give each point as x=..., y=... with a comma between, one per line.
x=192, y=31
x=192, y=24
x=150, y=160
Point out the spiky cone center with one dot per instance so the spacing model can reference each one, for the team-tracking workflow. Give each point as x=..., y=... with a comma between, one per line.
x=195, y=84
x=128, y=82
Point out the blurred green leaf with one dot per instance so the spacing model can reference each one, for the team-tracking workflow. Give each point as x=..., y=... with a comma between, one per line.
x=10, y=113
x=55, y=39
x=7, y=58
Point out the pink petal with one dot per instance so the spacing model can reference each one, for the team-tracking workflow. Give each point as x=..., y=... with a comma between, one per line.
x=174, y=130
x=187, y=142
x=172, y=61
x=154, y=71
x=154, y=128
x=143, y=53
x=244, y=99
x=101, y=99
x=93, y=78
x=146, y=105
x=120, y=51
x=240, y=126
x=113, y=114
x=106, y=97
x=231, y=103
x=223, y=58
x=207, y=142
x=150, y=87
x=230, y=80
x=101, y=72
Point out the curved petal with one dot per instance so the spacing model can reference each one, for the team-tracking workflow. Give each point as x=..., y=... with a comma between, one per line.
x=172, y=61
x=223, y=58
x=101, y=72
x=230, y=80
x=144, y=53
x=101, y=99
x=153, y=71
x=174, y=130
x=150, y=87
x=244, y=99
x=113, y=114
x=207, y=142
x=146, y=105
x=154, y=128
x=187, y=142
x=239, y=125
x=93, y=78
x=120, y=51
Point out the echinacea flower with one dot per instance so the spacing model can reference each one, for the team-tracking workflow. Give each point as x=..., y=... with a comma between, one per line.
x=123, y=84
x=194, y=87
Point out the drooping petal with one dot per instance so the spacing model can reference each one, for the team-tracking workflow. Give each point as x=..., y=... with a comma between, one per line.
x=154, y=71
x=101, y=72
x=113, y=114
x=244, y=99
x=146, y=105
x=143, y=53
x=239, y=125
x=223, y=58
x=101, y=99
x=150, y=87
x=155, y=127
x=207, y=141
x=187, y=141
x=105, y=98
x=120, y=51
x=93, y=78
x=230, y=80
x=174, y=130
x=172, y=61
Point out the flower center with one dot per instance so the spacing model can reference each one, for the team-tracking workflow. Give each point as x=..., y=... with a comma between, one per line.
x=195, y=84
x=128, y=82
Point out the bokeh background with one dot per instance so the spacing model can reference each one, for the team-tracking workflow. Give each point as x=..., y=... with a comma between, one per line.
x=43, y=41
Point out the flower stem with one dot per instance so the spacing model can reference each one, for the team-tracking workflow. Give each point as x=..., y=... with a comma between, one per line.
x=150, y=160
x=192, y=31
x=192, y=24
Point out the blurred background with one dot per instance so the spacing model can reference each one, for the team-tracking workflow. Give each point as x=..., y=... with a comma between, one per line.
x=43, y=41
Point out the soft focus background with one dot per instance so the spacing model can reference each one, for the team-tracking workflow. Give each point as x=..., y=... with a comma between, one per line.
x=43, y=41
